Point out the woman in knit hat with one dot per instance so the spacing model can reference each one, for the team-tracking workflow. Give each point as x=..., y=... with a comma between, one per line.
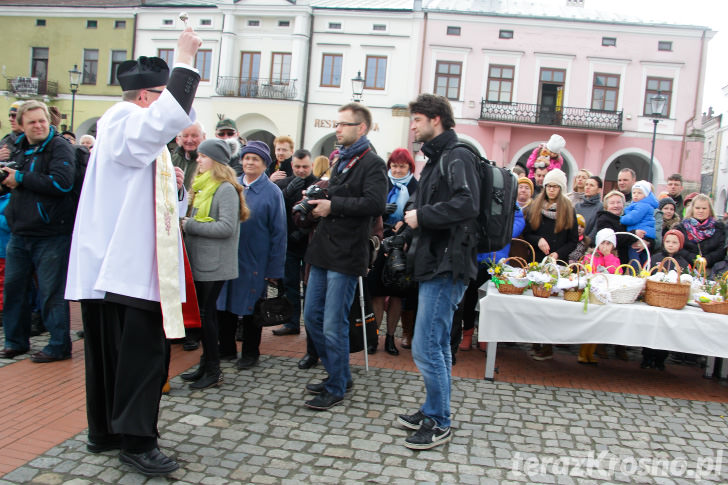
x=551, y=228
x=211, y=230
x=525, y=192
x=551, y=151
x=261, y=256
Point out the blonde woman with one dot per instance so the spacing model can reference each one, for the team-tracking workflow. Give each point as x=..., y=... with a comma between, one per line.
x=321, y=167
x=211, y=237
x=704, y=234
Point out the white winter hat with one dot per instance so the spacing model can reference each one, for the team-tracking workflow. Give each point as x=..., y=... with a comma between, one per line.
x=606, y=234
x=644, y=186
x=557, y=177
x=556, y=143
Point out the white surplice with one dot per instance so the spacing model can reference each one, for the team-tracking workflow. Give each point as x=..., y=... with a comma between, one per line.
x=113, y=245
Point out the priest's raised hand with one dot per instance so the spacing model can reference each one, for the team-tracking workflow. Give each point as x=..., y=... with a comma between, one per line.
x=187, y=46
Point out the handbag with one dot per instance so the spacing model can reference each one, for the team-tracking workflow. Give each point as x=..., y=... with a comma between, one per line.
x=272, y=311
x=356, y=335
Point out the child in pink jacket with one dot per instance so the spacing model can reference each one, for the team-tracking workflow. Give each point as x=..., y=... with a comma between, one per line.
x=603, y=258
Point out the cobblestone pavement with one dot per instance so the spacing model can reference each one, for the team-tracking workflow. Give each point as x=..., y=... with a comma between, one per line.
x=254, y=429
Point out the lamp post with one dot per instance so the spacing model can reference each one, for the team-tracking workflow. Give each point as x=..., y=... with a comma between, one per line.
x=357, y=87
x=74, y=79
x=657, y=103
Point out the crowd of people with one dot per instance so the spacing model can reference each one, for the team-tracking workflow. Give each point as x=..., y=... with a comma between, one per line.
x=137, y=234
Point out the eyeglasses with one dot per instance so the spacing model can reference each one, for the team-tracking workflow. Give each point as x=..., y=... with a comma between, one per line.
x=225, y=133
x=13, y=115
x=344, y=123
x=552, y=186
x=158, y=91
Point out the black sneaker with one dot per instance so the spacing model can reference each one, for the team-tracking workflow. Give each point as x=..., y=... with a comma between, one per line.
x=411, y=421
x=428, y=436
x=320, y=387
x=324, y=401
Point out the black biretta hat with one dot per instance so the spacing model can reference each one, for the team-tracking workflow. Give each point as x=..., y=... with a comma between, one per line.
x=142, y=73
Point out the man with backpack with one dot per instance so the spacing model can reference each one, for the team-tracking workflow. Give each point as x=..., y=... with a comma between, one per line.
x=445, y=239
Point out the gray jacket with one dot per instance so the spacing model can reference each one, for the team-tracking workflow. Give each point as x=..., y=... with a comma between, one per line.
x=213, y=246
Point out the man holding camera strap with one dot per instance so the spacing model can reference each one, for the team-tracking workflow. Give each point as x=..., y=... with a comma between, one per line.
x=339, y=250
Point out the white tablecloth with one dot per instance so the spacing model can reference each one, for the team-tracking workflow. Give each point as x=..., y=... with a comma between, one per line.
x=524, y=318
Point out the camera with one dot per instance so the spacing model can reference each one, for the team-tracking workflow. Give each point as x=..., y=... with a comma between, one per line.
x=314, y=192
x=394, y=247
x=3, y=173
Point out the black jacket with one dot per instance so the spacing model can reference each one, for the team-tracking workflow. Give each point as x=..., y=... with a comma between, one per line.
x=297, y=236
x=43, y=204
x=563, y=242
x=712, y=248
x=658, y=257
x=447, y=204
x=285, y=165
x=340, y=241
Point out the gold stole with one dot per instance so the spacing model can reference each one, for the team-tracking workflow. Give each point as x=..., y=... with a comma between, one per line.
x=167, y=245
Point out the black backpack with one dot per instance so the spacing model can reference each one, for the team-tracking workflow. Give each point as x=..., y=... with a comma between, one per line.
x=498, y=192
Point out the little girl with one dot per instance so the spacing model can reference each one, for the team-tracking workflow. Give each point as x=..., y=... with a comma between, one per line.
x=584, y=241
x=601, y=260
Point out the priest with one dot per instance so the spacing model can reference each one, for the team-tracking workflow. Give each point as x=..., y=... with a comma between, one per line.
x=126, y=263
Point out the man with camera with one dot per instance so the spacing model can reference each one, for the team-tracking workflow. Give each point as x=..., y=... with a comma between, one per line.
x=339, y=250
x=292, y=187
x=7, y=144
x=40, y=215
x=445, y=242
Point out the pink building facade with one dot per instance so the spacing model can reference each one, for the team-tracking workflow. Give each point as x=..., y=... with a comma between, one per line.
x=514, y=80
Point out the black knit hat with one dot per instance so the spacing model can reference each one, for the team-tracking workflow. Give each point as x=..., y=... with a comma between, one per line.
x=142, y=73
x=667, y=200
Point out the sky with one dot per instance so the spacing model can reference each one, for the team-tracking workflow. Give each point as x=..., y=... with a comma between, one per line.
x=707, y=13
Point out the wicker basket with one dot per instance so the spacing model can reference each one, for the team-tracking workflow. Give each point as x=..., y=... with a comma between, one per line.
x=621, y=289
x=573, y=295
x=715, y=307
x=540, y=291
x=667, y=295
x=509, y=289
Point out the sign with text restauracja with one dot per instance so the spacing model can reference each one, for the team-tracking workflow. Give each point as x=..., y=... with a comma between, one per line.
x=319, y=123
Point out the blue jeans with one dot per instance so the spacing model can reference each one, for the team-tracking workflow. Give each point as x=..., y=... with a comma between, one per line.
x=329, y=296
x=49, y=257
x=292, y=282
x=437, y=302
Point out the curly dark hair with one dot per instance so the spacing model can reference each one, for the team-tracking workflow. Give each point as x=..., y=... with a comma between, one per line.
x=432, y=105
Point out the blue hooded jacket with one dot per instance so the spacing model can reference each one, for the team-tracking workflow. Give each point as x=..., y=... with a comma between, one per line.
x=641, y=215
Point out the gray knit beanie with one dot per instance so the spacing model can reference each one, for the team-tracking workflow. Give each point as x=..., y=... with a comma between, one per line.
x=216, y=149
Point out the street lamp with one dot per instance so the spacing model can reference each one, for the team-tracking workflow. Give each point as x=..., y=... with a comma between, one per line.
x=357, y=86
x=657, y=103
x=74, y=79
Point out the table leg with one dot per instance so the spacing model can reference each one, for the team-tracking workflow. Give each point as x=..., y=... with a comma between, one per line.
x=490, y=361
x=709, y=366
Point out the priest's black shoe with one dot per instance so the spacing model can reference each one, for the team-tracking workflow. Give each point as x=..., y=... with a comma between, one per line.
x=190, y=344
x=151, y=463
x=372, y=348
x=246, y=362
x=307, y=362
x=284, y=330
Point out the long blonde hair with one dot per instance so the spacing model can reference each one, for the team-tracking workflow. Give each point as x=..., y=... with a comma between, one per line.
x=321, y=166
x=224, y=173
x=704, y=198
x=564, y=211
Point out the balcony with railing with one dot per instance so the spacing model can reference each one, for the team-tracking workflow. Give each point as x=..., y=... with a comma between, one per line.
x=32, y=86
x=535, y=114
x=256, y=88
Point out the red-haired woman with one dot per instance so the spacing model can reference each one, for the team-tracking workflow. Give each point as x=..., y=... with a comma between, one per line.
x=402, y=184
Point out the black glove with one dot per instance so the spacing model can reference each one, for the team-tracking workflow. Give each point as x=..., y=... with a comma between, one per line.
x=294, y=187
x=390, y=209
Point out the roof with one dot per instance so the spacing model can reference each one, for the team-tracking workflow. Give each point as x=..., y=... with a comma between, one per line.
x=364, y=4
x=550, y=9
